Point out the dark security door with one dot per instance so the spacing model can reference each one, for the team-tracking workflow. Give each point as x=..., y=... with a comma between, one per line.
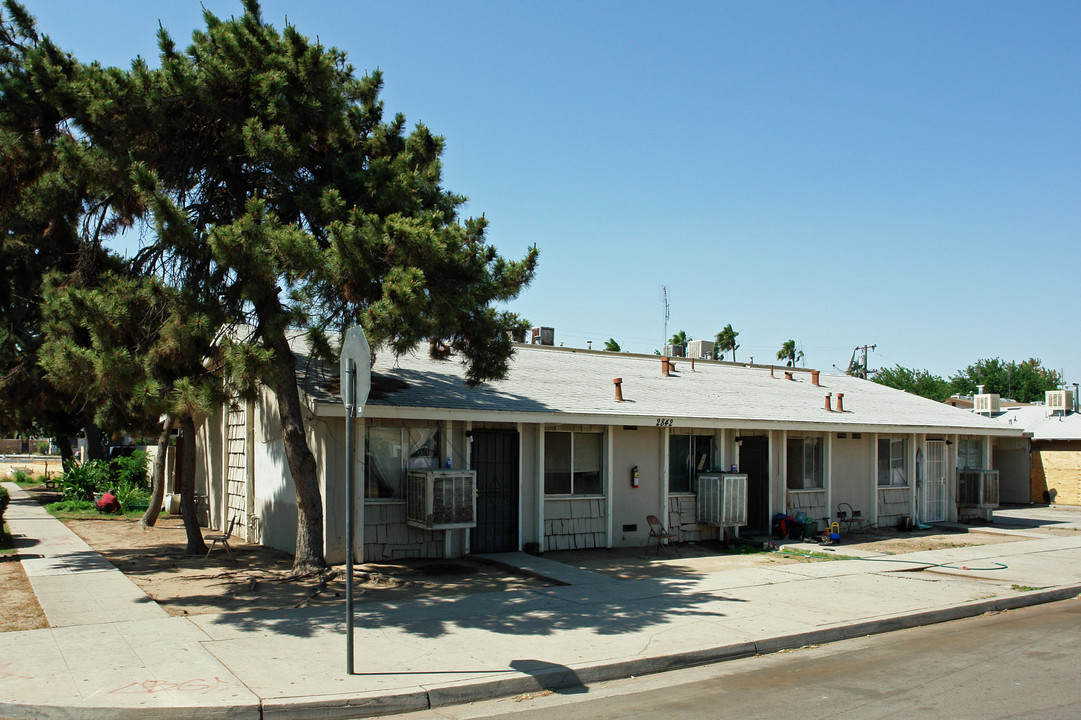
x=495, y=459
x=754, y=460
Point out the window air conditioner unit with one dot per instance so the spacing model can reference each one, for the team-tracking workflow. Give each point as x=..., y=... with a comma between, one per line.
x=985, y=404
x=441, y=499
x=977, y=488
x=722, y=499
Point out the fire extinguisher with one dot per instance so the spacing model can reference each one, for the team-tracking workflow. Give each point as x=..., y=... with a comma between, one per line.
x=634, y=476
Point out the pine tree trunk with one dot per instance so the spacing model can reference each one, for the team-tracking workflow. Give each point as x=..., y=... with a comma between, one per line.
x=67, y=456
x=94, y=448
x=309, y=549
x=195, y=546
x=157, y=476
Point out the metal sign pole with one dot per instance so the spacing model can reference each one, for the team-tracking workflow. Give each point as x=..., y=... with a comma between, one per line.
x=356, y=382
x=350, y=484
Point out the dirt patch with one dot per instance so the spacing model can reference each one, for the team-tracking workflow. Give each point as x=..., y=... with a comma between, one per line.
x=897, y=544
x=696, y=559
x=32, y=466
x=19, y=609
x=687, y=559
x=259, y=578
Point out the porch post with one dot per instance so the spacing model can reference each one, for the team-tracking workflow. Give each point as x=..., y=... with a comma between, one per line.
x=542, y=541
x=874, y=478
x=521, y=484
x=663, y=509
x=609, y=484
x=827, y=469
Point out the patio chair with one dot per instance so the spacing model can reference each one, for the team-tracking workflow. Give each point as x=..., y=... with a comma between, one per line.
x=657, y=531
x=851, y=517
x=222, y=538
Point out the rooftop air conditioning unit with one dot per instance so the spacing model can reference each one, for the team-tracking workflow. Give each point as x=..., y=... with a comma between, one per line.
x=543, y=336
x=977, y=488
x=722, y=499
x=987, y=404
x=1058, y=401
x=701, y=349
x=441, y=499
x=673, y=350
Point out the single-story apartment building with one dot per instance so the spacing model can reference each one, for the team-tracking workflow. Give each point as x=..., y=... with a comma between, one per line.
x=575, y=448
x=1052, y=457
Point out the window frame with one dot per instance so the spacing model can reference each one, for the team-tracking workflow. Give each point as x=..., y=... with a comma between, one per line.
x=591, y=478
x=817, y=475
x=689, y=466
x=965, y=447
x=421, y=436
x=894, y=463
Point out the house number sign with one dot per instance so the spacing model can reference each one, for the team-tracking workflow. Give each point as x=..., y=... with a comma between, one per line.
x=664, y=422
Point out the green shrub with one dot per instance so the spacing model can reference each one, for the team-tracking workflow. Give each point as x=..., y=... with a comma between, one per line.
x=130, y=469
x=21, y=477
x=43, y=447
x=128, y=494
x=4, y=500
x=71, y=506
x=81, y=481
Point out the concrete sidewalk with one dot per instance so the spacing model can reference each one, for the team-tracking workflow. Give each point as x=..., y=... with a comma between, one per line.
x=123, y=659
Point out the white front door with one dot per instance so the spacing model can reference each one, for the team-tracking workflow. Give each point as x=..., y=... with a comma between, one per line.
x=932, y=495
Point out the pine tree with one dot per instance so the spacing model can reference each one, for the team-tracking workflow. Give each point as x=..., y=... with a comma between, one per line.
x=50, y=212
x=271, y=172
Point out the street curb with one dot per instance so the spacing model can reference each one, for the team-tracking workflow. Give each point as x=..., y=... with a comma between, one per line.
x=552, y=677
x=249, y=711
x=559, y=677
x=343, y=707
x=556, y=677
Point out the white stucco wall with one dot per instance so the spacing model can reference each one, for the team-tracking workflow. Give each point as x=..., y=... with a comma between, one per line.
x=630, y=506
x=275, y=495
x=852, y=473
x=208, y=464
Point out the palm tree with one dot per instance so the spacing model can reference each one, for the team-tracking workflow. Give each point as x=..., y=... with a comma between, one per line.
x=680, y=338
x=611, y=345
x=790, y=353
x=726, y=340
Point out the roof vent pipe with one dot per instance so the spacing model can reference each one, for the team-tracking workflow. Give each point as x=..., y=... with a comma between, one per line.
x=829, y=408
x=814, y=377
x=788, y=376
x=618, y=382
x=840, y=402
x=771, y=371
x=665, y=366
x=692, y=364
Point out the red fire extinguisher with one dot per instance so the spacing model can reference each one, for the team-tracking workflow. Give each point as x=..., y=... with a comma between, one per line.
x=634, y=476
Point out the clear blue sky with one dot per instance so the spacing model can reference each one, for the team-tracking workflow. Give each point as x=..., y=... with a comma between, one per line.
x=906, y=174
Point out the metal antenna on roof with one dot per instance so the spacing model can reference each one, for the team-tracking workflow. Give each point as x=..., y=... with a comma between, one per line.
x=664, y=296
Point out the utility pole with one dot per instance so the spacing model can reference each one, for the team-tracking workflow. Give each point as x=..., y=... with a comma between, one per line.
x=859, y=368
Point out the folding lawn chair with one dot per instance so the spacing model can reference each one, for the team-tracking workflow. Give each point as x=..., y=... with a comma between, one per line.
x=658, y=532
x=222, y=538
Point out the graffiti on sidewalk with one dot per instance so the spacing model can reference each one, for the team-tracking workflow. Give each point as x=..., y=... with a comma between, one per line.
x=5, y=673
x=199, y=686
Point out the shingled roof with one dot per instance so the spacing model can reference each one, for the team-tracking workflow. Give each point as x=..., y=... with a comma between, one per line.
x=566, y=385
